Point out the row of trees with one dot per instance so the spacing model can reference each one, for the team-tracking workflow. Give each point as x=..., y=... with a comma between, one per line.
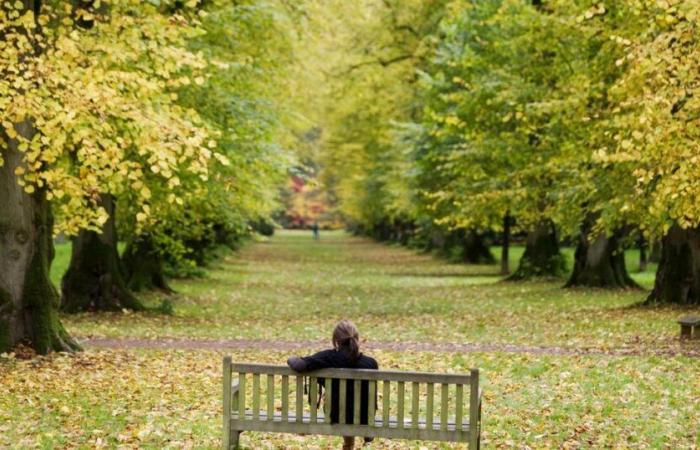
x=557, y=119
x=152, y=123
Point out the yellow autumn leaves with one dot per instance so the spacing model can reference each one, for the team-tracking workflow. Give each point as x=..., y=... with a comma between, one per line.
x=659, y=116
x=101, y=104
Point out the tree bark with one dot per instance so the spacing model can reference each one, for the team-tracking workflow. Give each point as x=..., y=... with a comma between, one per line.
x=475, y=250
x=600, y=262
x=28, y=300
x=542, y=257
x=643, y=260
x=678, y=274
x=505, y=247
x=143, y=265
x=95, y=279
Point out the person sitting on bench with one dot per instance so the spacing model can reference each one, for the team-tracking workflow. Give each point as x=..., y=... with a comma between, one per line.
x=345, y=354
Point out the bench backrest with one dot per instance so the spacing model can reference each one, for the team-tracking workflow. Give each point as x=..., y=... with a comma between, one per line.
x=439, y=402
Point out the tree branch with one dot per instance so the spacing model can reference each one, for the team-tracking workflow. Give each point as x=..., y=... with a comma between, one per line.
x=379, y=61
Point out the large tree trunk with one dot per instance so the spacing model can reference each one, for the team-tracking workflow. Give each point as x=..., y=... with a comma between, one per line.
x=505, y=246
x=95, y=280
x=542, y=257
x=678, y=274
x=28, y=300
x=600, y=262
x=143, y=265
x=475, y=250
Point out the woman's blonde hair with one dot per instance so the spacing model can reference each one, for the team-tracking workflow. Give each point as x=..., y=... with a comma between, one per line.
x=347, y=338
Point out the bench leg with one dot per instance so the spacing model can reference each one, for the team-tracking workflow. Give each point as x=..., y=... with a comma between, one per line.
x=696, y=332
x=235, y=438
x=686, y=331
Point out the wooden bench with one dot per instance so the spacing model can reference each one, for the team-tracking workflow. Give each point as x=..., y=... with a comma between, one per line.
x=690, y=327
x=426, y=417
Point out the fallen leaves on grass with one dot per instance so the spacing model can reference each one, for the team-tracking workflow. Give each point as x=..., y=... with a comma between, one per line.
x=293, y=289
x=172, y=399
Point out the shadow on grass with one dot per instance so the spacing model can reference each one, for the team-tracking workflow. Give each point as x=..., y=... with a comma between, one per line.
x=643, y=305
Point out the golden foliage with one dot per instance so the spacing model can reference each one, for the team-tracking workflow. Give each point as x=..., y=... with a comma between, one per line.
x=102, y=102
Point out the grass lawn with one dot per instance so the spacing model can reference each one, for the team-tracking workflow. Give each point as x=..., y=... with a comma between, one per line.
x=292, y=288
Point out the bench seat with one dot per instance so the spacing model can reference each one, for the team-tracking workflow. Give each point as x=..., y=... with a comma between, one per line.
x=261, y=423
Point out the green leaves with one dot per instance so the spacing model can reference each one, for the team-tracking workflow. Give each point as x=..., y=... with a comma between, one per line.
x=556, y=111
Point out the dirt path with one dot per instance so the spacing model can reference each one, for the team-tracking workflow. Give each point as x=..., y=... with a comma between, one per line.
x=691, y=350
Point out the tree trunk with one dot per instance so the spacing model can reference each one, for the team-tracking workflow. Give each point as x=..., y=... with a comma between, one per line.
x=600, y=263
x=28, y=300
x=678, y=274
x=143, y=265
x=655, y=253
x=475, y=250
x=437, y=240
x=643, y=260
x=505, y=247
x=542, y=257
x=95, y=279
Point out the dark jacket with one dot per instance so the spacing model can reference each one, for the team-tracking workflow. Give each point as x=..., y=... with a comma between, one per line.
x=339, y=359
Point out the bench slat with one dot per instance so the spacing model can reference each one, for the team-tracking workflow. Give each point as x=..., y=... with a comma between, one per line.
x=285, y=397
x=444, y=399
x=241, y=396
x=256, y=396
x=356, y=402
x=342, y=404
x=313, y=389
x=459, y=403
x=386, y=393
x=399, y=407
x=388, y=430
x=270, y=395
x=371, y=410
x=306, y=420
x=328, y=398
x=415, y=403
x=300, y=398
x=359, y=374
x=429, y=405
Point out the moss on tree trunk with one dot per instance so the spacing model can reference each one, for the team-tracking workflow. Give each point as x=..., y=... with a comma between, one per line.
x=600, y=262
x=678, y=274
x=542, y=257
x=94, y=280
x=143, y=265
x=28, y=300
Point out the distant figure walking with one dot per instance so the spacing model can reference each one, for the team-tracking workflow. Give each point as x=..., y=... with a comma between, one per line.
x=314, y=228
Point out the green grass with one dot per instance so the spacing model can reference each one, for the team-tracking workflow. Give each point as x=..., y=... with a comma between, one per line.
x=171, y=399
x=292, y=288
x=62, y=260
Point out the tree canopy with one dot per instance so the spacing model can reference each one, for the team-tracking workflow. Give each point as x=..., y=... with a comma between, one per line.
x=441, y=124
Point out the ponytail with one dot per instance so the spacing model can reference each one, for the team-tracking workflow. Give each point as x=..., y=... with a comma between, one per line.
x=347, y=338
